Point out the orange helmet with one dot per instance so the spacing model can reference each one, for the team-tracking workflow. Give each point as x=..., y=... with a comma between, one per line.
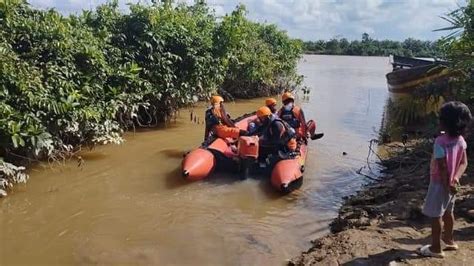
x=286, y=96
x=216, y=99
x=270, y=101
x=263, y=111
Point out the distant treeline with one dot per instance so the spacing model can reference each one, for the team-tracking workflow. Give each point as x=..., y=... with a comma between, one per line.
x=370, y=47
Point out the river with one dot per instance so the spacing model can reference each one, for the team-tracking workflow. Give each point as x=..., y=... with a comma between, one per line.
x=127, y=204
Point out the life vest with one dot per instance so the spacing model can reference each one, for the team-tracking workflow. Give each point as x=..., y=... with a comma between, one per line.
x=211, y=118
x=287, y=136
x=291, y=116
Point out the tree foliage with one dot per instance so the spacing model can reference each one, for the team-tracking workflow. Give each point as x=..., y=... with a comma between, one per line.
x=67, y=81
x=459, y=47
x=370, y=47
x=263, y=54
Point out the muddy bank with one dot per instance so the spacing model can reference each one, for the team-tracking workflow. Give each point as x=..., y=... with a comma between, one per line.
x=383, y=223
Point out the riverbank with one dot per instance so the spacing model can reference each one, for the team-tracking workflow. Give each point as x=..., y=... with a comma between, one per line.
x=383, y=224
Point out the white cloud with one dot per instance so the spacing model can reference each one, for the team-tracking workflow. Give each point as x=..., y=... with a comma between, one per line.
x=323, y=19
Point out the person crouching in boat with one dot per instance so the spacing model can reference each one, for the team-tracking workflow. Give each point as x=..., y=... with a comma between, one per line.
x=276, y=135
x=218, y=122
x=271, y=103
x=254, y=126
x=293, y=115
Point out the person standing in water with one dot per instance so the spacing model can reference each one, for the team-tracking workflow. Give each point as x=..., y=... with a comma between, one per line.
x=448, y=164
x=293, y=115
x=218, y=121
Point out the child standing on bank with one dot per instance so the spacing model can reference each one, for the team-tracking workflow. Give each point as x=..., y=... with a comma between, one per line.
x=448, y=164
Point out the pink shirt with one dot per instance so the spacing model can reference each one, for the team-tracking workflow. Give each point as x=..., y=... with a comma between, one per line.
x=450, y=148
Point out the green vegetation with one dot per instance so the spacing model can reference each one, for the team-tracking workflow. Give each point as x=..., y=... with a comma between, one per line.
x=256, y=57
x=370, y=47
x=67, y=81
x=458, y=49
x=459, y=46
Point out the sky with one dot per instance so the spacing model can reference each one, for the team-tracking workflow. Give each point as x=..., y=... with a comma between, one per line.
x=322, y=19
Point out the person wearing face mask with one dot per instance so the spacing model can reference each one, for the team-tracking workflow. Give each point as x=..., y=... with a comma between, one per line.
x=218, y=123
x=293, y=115
x=275, y=134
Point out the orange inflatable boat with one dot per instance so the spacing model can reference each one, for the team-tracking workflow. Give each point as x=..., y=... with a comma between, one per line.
x=287, y=174
x=200, y=162
x=242, y=154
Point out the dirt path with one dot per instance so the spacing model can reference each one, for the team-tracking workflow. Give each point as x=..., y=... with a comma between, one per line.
x=383, y=223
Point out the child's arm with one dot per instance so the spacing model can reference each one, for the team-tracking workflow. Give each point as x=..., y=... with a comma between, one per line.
x=440, y=156
x=462, y=167
x=443, y=171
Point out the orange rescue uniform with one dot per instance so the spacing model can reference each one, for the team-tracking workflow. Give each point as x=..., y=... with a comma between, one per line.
x=221, y=125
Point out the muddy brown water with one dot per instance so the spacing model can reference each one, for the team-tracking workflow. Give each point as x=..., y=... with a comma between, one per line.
x=128, y=204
